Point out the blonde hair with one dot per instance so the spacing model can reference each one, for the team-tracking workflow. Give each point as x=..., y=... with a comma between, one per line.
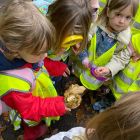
x=116, y=4
x=120, y=122
x=22, y=26
x=70, y=17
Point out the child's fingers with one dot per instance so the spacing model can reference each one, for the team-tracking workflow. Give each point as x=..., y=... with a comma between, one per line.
x=76, y=48
x=67, y=71
x=98, y=72
x=65, y=75
x=102, y=71
x=90, y=131
x=67, y=109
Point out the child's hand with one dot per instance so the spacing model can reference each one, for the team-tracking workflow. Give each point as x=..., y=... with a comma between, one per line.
x=85, y=62
x=76, y=49
x=135, y=56
x=102, y=71
x=67, y=109
x=67, y=72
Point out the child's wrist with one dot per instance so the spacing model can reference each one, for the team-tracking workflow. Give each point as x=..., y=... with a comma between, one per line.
x=130, y=49
x=85, y=61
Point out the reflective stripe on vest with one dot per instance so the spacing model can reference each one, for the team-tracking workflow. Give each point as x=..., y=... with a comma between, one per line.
x=136, y=25
x=15, y=119
x=102, y=4
x=86, y=78
x=127, y=80
x=120, y=86
x=89, y=81
x=31, y=123
x=118, y=94
x=118, y=89
x=9, y=83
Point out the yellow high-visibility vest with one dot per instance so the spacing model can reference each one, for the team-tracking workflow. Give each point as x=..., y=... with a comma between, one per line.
x=86, y=78
x=128, y=80
x=25, y=80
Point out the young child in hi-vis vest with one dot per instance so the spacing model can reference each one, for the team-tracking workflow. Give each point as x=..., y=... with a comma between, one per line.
x=107, y=53
x=25, y=37
x=128, y=80
x=77, y=16
x=71, y=19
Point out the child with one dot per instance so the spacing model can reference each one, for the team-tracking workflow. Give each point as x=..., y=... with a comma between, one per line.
x=70, y=18
x=76, y=18
x=25, y=37
x=107, y=53
x=119, y=122
x=128, y=79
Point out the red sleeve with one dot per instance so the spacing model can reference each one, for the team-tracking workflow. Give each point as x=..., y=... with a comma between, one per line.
x=35, y=108
x=55, y=68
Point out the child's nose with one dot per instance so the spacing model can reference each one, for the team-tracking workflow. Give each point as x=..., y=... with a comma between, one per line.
x=122, y=19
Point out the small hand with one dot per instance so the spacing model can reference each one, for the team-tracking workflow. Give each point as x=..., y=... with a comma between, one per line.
x=135, y=56
x=67, y=72
x=86, y=63
x=90, y=131
x=76, y=49
x=102, y=71
x=67, y=109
